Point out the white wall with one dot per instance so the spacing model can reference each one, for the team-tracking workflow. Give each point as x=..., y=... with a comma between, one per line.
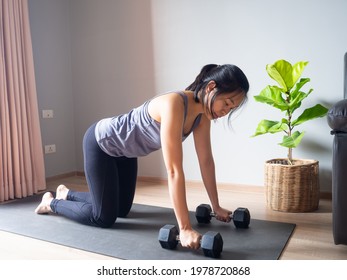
x=50, y=31
x=251, y=34
x=111, y=55
x=112, y=60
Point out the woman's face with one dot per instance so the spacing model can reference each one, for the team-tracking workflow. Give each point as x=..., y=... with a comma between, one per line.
x=224, y=103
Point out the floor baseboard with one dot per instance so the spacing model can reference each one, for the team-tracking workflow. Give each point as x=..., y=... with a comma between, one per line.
x=323, y=195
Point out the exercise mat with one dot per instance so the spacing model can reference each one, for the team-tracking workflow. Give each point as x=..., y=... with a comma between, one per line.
x=136, y=237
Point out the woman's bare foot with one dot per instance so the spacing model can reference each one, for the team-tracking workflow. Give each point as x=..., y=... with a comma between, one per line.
x=62, y=191
x=45, y=205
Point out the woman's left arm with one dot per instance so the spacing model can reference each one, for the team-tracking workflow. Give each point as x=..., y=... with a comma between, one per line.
x=202, y=141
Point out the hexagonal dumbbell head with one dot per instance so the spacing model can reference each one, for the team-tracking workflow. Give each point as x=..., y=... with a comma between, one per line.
x=168, y=237
x=241, y=217
x=203, y=213
x=212, y=244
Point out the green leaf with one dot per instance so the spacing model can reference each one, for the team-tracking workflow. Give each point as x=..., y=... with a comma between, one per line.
x=280, y=71
x=298, y=68
x=297, y=90
x=267, y=126
x=272, y=95
x=314, y=112
x=279, y=127
x=296, y=102
x=285, y=74
x=292, y=141
x=300, y=84
x=296, y=96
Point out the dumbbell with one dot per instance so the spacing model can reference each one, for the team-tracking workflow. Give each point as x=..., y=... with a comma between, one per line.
x=241, y=216
x=211, y=242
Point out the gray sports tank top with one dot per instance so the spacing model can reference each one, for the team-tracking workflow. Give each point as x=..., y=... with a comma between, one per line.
x=134, y=134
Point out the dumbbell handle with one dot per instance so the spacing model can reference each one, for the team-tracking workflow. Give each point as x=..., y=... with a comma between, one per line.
x=213, y=214
x=241, y=216
x=207, y=252
x=178, y=239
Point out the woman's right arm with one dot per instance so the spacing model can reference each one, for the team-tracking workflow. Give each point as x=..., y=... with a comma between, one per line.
x=171, y=119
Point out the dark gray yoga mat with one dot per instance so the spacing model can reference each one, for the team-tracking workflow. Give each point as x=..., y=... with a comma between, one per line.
x=136, y=237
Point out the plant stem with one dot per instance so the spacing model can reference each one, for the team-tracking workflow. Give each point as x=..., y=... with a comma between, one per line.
x=290, y=156
x=290, y=128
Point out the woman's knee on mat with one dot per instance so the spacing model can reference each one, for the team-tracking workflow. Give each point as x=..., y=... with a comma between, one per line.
x=105, y=221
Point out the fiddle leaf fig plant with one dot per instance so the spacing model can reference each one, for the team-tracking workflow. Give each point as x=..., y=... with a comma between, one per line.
x=287, y=96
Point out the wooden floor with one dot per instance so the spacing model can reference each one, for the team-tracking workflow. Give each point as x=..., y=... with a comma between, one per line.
x=312, y=239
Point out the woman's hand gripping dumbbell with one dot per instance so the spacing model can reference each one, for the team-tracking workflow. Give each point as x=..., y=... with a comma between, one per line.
x=241, y=216
x=211, y=242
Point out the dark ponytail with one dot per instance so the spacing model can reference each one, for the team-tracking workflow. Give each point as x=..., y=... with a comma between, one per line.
x=199, y=83
x=228, y=78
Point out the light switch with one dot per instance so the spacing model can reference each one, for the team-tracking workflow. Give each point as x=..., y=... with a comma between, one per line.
x=47, y=114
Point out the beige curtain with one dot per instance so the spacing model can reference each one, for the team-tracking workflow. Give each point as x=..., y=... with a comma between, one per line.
x=21, y=157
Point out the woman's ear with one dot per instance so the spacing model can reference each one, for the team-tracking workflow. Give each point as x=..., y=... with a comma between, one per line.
x=210, y=86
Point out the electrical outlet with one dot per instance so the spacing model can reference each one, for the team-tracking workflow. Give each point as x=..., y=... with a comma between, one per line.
x=50, y=149
x=47, y=114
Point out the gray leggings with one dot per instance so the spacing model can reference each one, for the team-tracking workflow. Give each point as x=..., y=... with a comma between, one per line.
x=111, y=182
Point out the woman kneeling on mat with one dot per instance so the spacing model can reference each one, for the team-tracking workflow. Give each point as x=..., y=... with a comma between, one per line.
x=112, y=145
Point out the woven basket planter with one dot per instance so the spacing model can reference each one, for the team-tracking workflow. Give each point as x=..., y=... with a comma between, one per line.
x=292, y=188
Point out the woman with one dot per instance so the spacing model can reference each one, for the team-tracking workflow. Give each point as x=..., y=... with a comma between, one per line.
x=112, y=145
